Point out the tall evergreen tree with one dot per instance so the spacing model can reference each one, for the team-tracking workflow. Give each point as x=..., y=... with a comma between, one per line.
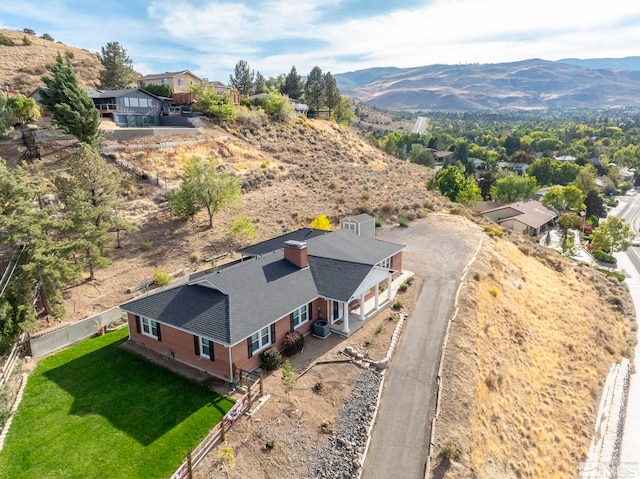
x=89, y=191
x=117, y=68
x=314, y=89
x=331, y=95
x=70, y=106
x=43, y=251
x=293, y=85
x=242, y=78
x=260, y=85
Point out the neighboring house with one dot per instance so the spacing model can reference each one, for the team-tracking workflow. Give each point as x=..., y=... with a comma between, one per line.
x=223, y=89
x=566, y=158
x=180, y=82
x=527, y=217
x=8, y=91
x=132, y=107
x=224, y=320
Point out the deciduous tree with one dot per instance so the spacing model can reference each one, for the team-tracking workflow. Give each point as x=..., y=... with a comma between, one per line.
x=343, y=113
x=613, y=235
x=25, y=109
x=117, y=68
x=213, y=104
x=204, y=187
x=513, y=188
x=321, y=222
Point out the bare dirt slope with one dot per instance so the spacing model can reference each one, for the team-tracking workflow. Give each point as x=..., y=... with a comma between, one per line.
x=525, y=363
x=22, y=66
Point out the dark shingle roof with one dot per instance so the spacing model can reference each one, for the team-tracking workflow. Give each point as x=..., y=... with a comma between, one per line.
x=255, y=293
x=274, y=244
x=116, y=93
x=347, y=246
x=335, y=279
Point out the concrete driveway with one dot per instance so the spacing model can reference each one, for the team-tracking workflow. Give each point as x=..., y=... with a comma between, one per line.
x=438, y=248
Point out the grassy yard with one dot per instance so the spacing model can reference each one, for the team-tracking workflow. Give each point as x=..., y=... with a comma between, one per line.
x=97, y=411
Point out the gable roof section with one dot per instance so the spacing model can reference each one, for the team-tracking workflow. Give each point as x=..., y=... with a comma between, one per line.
x=274, y=244
x=343, y=245
x=335, y=279
x=117, y=93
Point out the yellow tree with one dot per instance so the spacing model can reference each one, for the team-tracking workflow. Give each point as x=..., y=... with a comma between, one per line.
x=321, y=222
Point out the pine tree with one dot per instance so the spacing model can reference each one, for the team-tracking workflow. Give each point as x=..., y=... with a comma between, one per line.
x=293, y=85
x=70, y=106
x=314, y=89
x=89, y=191
x=39, y=238
x=117, y=67
x=260, y=85
x=242, y=78
x=331, y=95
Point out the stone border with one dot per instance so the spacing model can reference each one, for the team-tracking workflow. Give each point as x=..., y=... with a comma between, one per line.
x=14, y=408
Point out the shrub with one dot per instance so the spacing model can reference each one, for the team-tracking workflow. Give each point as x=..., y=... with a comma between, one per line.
x=449, y=450
x=379, y=329
x=368, y=343
x=161, y=277
x=403, y=221
x=403, y=287
x=46, y=36
x=603, y=257
x=6, y=41
x=397, y=306
x=379, y=222
x=270, y=444
x=293, y=343
x=494, y=292
x=325, y=423
x=318, y=387
x=270, y=359
x=4, y=407
x=26, y=41
x=146, y=246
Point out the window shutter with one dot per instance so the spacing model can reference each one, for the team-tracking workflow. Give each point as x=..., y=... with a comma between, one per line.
x=159, y=333
x=291, y=325
x=138, y=325
x=249, y=346
x=211, y=355
x=196, y=345
x=273, y=333
x=310, y=311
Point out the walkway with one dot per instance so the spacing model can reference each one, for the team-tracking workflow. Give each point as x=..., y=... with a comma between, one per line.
x=400, y=439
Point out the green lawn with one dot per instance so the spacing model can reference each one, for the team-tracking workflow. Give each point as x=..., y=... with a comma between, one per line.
x=97, y=411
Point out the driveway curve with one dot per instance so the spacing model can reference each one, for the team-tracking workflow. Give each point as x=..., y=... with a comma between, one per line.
x=438, y=249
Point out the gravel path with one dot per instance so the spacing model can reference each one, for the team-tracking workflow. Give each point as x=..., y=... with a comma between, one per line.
x=340, y=456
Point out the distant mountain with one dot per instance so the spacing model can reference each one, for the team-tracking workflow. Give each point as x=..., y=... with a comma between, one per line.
x=530, y=84
x=626, y=63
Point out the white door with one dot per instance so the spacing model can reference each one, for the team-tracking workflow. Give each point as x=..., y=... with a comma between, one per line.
x=336, y=311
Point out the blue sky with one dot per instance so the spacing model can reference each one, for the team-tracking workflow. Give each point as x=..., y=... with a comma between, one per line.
x=209, y=37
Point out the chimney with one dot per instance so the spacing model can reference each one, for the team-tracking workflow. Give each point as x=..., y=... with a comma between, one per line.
x=296, y=253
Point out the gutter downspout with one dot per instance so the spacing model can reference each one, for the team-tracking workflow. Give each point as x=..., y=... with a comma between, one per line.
x=230, y=367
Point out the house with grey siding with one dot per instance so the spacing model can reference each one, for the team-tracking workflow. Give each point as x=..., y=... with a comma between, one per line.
x=131, y=107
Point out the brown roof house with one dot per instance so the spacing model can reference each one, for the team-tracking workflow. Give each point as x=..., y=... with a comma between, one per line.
x=528, y=217
x=221, y=321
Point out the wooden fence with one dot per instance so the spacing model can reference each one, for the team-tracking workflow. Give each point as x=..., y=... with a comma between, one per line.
x=254, y=387
x=7, y=369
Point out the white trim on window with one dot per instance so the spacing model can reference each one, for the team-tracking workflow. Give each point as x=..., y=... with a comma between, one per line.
x=261, y=339
x=205, y=350
x=385, y=263
x=149, y=327
x=300, y=316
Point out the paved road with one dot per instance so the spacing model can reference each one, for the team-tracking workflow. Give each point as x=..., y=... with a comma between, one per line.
x=420, y=125
x=629, y=209
x=437, y=252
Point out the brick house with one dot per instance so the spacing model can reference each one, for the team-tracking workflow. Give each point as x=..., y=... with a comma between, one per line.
x=225, y=319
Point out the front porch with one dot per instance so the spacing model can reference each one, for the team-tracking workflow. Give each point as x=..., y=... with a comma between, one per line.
x=355, y=318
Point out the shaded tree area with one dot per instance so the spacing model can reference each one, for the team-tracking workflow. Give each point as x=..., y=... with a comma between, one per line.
x=117, y=68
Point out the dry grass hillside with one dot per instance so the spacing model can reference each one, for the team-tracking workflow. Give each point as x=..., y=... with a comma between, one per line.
x=526, y=362
x=22, y=65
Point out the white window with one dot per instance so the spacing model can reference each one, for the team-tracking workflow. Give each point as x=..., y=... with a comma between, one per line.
x=300, y=316
x=205, y=350
x=142, y=102
x=164, y=81
x=125, y=100
x=385, y=263
x=180, y=81
x=350, y=226
x=133, y=102
x=149, y=327
x=260, y=340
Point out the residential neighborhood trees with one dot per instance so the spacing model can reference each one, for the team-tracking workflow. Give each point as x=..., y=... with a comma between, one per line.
x=513, y=188
x=613, y=235
x=213, y=104
x=117, y=68
x=315, y=88
x=243, y=77
x=70, y=106
x=204, y=187
x=24, y=109
x=293, y=85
